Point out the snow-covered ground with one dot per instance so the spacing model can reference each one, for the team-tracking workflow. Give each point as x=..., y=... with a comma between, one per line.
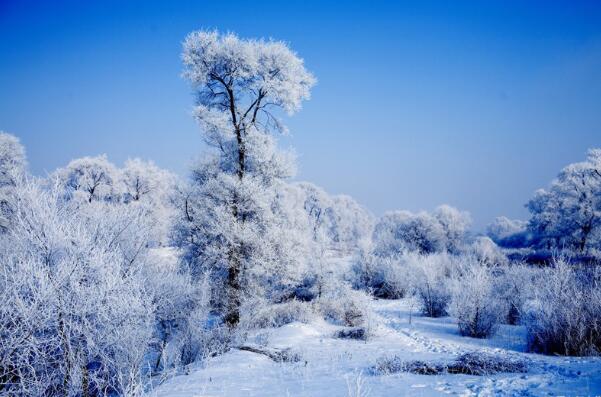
x=332, y=367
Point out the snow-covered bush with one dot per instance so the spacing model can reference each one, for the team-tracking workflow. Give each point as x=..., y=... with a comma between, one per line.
x=351, y=224
x=485, y=251
x=508, y=233
x=383, y=277
x=424, y=233
x=474, y=300
x=514, y=283
x=95, y=181
x=99, y=305
x=76, y=317
x=478, y=363
x=565, y=315
x=344, y=306
x=145, y=185
x=181, y=315
x=401, y=231
x=337, y=222
x=337, y=304
x=267, y=315
x=455, y=225
x=12, y=169
x=431, y=281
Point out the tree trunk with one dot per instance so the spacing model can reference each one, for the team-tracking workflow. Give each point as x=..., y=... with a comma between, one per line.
x=85, y=381
x=233, y=277
x=586, y=230
x=66, y=354
x=233, y=292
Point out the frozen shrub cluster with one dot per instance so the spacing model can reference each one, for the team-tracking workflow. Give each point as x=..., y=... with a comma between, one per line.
x=474, y=300
x=343, y=306
x=267, y=315
x=139, y=183
x=395, y=364
x=383, y=277
x=356, y=333
x=337, y=222
x=482, y=363
x=12, y=169
x=182, y=308
x=509, y=233
x=277, y=355
x=485, y=251
x=416, y=253
x=514, y=284
x=444, y=230
x=340, y=306
x=76, y=318
x=91, y=299
x=473, y=363
x=432, y=275
x=564, y=316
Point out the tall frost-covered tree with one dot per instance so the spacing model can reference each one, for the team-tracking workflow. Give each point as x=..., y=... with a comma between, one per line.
x=455, y=225
x=147, y=186
x=339, y=220
x=12, y=167
x=508, y=232
x=144, y=180
x=90, y=179
x=568, y=214
x=240, y=87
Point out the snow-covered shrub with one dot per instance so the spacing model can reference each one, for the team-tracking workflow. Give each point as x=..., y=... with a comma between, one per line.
x=356, y=333
x=402, y=231
x=486, y=252
x=76, y=317
x=473, y=363
x=337, y=222
x=357, y=386
x=474, y=300
x=351, y=224
x=344, y=306
x=394, y=364
x=514, y=283
x=182, y=331
x=455, y=225
x=141, y=185
x=482, y=363
x=509, y=233
x=266, y=315
x=383, y=277
x=199, y=337
x=145, y=185
x=565, y=315
x=12, y=168
x=431, y=281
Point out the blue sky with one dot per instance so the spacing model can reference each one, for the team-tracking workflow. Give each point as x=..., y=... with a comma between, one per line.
x=474, y=104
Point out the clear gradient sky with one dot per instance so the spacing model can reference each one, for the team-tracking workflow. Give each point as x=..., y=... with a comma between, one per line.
x=474, y=104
